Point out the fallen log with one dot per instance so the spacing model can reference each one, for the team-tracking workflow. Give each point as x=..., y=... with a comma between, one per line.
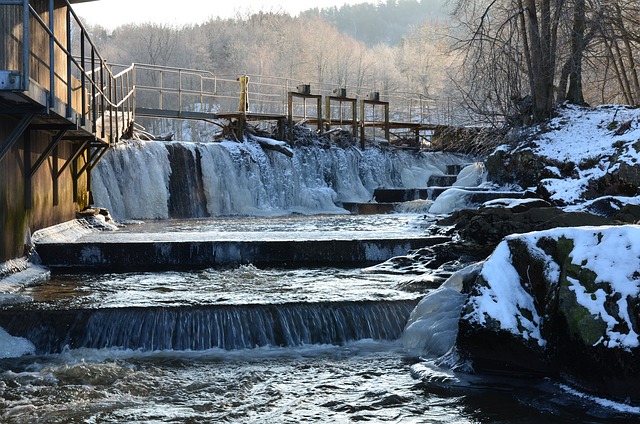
x=271, y=144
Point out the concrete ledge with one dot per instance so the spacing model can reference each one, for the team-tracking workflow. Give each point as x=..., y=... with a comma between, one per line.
x=369, y=208
x=128, y=256
x=431, y=193
x=397, y=195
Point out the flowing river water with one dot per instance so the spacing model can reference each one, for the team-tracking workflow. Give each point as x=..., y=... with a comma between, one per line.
x=339, y=358
x=243, y=344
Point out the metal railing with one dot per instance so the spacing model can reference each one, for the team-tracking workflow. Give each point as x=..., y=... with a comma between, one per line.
x=69, y=67
x=181, y=90
x=105, y=102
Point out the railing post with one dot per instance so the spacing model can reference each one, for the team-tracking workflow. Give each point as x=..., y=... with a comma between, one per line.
x=52, y=62
x=244, y=93
x=94, y=98
x=83, y=80
x=133, y=89
x=69, y=62
x=26, y=45
x=160, y=90
x=113, y=97
x=102, y=100
x=179, y=91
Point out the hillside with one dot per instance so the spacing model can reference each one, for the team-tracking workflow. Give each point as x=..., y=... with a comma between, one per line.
x=381, y=23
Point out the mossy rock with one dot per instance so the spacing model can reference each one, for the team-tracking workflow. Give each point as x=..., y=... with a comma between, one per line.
x=582, y=325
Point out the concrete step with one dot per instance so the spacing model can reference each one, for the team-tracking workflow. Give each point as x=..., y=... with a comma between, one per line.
x=369, y=208
x=137, y=255
x=397, y=195
x=442, y=180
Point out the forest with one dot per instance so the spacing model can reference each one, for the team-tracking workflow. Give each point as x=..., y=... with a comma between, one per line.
x=501, y=61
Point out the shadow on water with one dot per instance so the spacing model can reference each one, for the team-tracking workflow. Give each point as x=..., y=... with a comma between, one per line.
x=527, y=400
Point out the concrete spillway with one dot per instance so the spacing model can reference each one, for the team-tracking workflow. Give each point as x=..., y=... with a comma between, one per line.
x=153, y=249
x=124, y=255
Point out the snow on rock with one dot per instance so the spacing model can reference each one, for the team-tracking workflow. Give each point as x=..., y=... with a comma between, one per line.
x=602, y=264
x=562, y=299
x=579, y=155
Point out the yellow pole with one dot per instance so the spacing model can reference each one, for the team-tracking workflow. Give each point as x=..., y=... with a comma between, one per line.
x=244, y=93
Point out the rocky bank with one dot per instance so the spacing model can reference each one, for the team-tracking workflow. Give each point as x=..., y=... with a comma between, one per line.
x=559, y=294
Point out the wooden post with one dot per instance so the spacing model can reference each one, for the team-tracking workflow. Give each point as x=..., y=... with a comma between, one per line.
x=319, y=114
x=387, y=126
x=362, y=121
x=244, y=93
x=290, y=115
x=27, y=170
x=54, y=177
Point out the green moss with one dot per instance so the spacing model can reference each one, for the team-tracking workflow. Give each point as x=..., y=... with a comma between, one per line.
x=564, y=247
x=581, y=324
x=13, y=226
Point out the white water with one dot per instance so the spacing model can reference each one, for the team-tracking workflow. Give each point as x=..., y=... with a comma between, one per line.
x=132, y=180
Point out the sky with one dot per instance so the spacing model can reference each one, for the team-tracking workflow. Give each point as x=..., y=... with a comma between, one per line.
x=112, y=13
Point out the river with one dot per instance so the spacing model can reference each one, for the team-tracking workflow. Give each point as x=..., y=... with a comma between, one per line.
x=243, y=344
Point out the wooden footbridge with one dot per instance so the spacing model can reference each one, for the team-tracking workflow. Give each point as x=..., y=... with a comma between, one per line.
x=175, y=93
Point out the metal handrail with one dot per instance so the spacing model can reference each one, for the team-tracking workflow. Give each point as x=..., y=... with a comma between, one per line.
x=110, y=95
x=265, y=92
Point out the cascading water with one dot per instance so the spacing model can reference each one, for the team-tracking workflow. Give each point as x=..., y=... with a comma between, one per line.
x=151, y=179
x=245, y=344
x=228, y=327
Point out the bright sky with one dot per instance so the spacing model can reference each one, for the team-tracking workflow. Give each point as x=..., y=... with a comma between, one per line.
x=112, y=13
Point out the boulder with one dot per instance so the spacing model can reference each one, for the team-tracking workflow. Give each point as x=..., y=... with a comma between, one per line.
x=488, y=226
x=563, y=302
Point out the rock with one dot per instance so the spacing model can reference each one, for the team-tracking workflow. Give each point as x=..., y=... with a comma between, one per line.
x=629, y=213
x=563, y=303
x=529, y=162
x=488, y=226
x=607, y=206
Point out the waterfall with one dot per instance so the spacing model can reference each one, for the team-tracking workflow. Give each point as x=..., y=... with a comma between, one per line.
x=226, y=327
x=159, y=180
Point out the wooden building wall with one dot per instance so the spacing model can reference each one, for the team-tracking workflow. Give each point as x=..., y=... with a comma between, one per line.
x=17, y=220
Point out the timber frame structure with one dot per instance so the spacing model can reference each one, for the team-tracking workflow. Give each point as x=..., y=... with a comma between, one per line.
x=61, y=108
x=53, y=79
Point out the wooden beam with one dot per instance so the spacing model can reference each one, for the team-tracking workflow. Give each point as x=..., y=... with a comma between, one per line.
x=16, y=133
x=54, y=177
x=47, y=152
x=27, y=167
x=93, y=159
x=76, y=154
